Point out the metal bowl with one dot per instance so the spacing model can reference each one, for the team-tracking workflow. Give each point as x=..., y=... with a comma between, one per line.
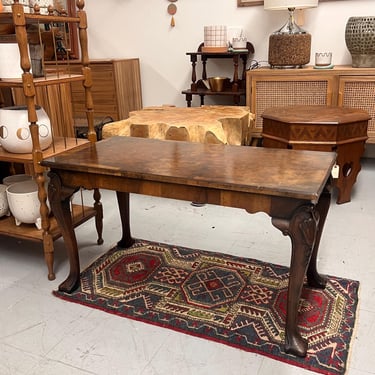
x=217, y=83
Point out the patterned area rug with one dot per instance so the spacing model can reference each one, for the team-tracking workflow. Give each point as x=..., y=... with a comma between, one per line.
x=235, y=301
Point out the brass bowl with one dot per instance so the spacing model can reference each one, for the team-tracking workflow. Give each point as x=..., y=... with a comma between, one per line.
x=217, y=83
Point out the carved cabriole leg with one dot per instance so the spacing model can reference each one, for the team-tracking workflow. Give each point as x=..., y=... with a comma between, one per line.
x=98, y=216
x=123, y=203
x=301, y=228
x=314, y=279
x=59, y=197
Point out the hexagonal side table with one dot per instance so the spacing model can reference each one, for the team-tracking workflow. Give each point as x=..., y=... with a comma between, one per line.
x=321, y=128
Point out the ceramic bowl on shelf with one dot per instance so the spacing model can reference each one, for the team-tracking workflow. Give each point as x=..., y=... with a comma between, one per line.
x=4, y=207
x=15, y=134
x=23, y=203
x=9, y=180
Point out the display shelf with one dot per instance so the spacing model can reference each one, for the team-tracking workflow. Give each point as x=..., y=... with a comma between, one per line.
x=32, y=18
x=235, y=88
x=27, y=85
x=80, y=214
x=49, y=79
x=58, y=145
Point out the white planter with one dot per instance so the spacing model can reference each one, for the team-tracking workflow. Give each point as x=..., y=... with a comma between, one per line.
x=24, y=203
x=15, y=133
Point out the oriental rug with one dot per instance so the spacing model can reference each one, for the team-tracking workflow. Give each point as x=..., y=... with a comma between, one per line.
x=236, y=301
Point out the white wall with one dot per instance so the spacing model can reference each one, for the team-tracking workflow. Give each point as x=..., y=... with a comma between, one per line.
x=134, y=28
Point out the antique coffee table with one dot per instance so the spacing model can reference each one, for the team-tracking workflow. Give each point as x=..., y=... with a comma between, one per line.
x=289, y=185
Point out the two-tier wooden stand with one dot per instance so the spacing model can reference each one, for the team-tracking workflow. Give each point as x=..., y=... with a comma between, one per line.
x=235, y=88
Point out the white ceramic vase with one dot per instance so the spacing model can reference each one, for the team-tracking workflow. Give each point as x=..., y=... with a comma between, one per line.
x=15, y=133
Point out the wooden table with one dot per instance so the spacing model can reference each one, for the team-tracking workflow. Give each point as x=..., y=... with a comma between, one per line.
x=322, y=128
x=288, y=185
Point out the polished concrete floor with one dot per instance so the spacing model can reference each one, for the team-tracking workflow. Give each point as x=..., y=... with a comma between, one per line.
x=43, y=335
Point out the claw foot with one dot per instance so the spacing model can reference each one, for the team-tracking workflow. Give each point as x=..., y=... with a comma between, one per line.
x=70, y=284
x=296, y=345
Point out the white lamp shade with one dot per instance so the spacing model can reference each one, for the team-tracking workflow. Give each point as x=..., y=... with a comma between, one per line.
x=285, y=4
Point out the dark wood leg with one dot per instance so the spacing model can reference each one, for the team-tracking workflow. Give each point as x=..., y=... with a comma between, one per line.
x=59, y=198
x=314, y=279
x=99, y=216
x=189, y=98
x=302, y=229
x=123, y=203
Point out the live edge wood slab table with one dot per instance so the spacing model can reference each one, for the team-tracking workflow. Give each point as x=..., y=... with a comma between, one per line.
x=205, y=124
x=291, y=186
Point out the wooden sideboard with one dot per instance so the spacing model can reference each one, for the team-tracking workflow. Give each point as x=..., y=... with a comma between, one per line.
x=342, y=86
x=116, y=91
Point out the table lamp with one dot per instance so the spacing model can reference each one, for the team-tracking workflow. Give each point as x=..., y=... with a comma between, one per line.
x=290, y=46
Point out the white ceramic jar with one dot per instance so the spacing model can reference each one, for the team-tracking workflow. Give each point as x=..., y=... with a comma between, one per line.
x=15, y=133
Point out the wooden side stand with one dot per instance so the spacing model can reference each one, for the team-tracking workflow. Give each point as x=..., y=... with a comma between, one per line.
x=321, y=128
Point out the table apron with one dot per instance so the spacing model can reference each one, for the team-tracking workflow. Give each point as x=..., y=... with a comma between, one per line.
x=275, y=206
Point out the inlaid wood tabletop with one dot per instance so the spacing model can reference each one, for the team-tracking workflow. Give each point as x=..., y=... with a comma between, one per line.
x=299, y=174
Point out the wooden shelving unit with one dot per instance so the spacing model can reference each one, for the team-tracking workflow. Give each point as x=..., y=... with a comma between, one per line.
x=80, y=213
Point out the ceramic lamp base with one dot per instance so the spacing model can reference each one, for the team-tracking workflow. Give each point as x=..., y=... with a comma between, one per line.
x=289, y=50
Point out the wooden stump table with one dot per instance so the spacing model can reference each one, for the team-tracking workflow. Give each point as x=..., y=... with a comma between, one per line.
x=321, y=128
x=206, y=124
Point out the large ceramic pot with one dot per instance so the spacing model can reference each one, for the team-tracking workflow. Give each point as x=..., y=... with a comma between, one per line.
x=15, y=133
x=360, y=40
x=24, y=203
